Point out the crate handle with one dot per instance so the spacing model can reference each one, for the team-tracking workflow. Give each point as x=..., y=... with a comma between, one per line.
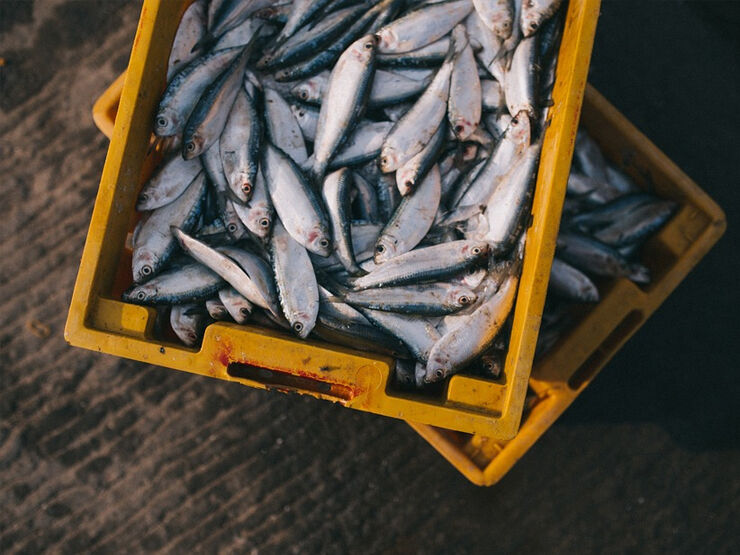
x=275, y=379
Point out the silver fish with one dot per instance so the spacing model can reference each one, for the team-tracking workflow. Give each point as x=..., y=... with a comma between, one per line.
x=168, y=183
x=346, y=97
x=413, y=171
x=224, y=266
x=365, y=199
x=296, y=281
x=282, y=127
x=510, y=201
x=238, y=307
x=336, y=198
x=519, y=83
x=570, y=283
x=427, y=56
x=208, y=118
x=191, y=30
x=435, y=262
x=434, y=299
x=594, y=257
x=295, y=201
x=308, y=120
x=187, y=284
x=421, y=27
x=364, y=236
x=464, y=103
x=497, y=15
x=302, y=11
x=362, y=145
x=492, y=97
x=186, y=87
x=637, y=224
x=188, y=323
x=515, y=140
x=411, y=220
x=153, y=243
x=460, y=346
x=417, y=334
x=258, y=214
x=259, y=272
x=239, y=146
x=216, y=309
x=535, y=13
x=416, y=128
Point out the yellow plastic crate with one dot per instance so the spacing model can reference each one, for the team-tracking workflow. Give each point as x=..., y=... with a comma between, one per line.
x=271, y=360
x=565, y=371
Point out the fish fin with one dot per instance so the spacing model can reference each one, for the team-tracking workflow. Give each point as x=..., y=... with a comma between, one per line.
x=205, y=43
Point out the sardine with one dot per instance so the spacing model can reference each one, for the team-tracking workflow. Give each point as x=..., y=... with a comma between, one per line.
x=430, y=55
x=224, y=266
x=238, y=307
x=464, y=103
x=186, y=87
x=346, y=97
x=421, y=27
x=497, y=15
x=239, y=146
x=433, y=263
x=258, y=214
x=594, y=257
x=168, y=183
x=417, y=334
x=259, y=271
x=282, y=127
x=535, y=13
x=153, y=243
x=336, y=198
x=520, y=82
x=570, y=283
x=414, y=171
x=416, y=128
x=209, y=116
x=434, y=299
x=458, y=347
x=187, y=284
x=295, y=201
x=191, y=30
x=216, y=309
x=188, y=323
x=296, y=281
x=411, y=220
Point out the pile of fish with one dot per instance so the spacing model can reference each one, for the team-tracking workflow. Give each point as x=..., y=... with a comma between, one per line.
x=606, y=220
x=355, y=171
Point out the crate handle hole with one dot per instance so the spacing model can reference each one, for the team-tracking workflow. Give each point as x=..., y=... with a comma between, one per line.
x=286, y=381
x=606, y=350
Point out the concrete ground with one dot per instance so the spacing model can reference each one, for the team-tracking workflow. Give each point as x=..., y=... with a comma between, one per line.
x=107, y=455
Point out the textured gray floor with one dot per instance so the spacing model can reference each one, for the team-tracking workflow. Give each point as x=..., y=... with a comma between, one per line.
x=100, y=454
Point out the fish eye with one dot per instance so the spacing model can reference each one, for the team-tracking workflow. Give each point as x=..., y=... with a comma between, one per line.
x=146, y=270
x=459, y=129
x=190, y=147
x=161, y=121
x=514, y=121
x=141, y=295
x=246, y=188
x=231, y=228
x=304, y=95
x=323, y=243
x=368, y=45
x=464, y=299
x=244, y=311
x=380, y=248
x=264, y=222
x=298, y=327
x=533, y=26
x=143, y=197
x=475, y=250
x=409, y=184
x=301, y=113
x=439, y=374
